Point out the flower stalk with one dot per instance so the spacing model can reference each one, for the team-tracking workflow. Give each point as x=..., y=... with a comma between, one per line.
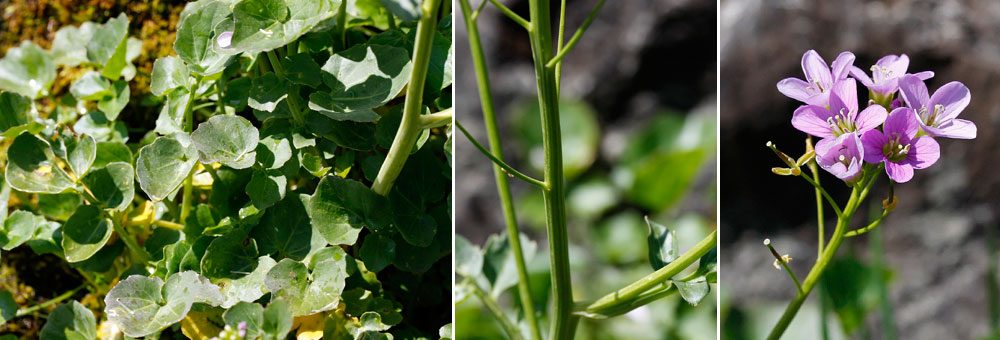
x=410, y=125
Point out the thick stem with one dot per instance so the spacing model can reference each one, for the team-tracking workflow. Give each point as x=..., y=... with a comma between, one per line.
x=409, y=126
x=817, y=270
x=554, y=197
x=503, y=186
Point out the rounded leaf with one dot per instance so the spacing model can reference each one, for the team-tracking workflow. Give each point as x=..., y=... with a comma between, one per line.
x=163, y=165
x=32, y=167
x=227, y=139
x=85, y=233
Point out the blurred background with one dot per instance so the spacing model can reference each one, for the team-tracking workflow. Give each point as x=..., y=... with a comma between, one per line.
x=930, y=273
x=639, y=122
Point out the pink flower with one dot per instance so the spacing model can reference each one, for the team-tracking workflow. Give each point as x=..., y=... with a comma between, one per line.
x=820, y=78
x=899, y=147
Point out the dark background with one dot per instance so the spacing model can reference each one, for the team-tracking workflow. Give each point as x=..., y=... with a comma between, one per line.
x=935, y=243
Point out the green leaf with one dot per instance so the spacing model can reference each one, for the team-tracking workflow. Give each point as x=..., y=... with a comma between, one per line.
x=377, y=252
x=32, y=166
x=446, y=332
x=59, y=206
x=340, y=208
x=273, y=151
x=416, y=227
x=693, y=291
x=97, y=125
x=277, y=321
x=352, y=135
x=302, y=69
x=90, y=86
x=230, y=256
x=248, y=288
x=80, y=154
x=263, y=25
x=19, y=228
x=109, y=48
x=70, y=44
x=268, y=90
x=171, y=118
x=27, y=70
x=112, y=186
x=266, y=188
x=237, y=93
x=227, y=139
x=440, y=67
x=407, y=10
x=144, y=305
x=196, y=35
x=499, y=266
x=285, y=231
x=163, y=165
x=47, y=239
x=250, y=314
x=169, y=73
x=662, y=245
x=110, y=152
x=8, y=307
x=85, y=233
x=468, y=258
x=113, y=103
x=309, y=292
x=70, y=321
x=708, y=262
x=361, y=78
x=16, y=111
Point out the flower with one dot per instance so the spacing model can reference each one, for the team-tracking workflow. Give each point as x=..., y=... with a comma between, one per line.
x=820, y=79
x=842, y=156
x=936, y=113
x=842, y=115
x=899, y=147
x=886, y=74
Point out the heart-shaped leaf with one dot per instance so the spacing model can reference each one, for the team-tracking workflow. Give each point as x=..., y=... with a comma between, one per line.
x=70, y=321
x=285, y=230
x=662, y=245
x=163, y=165
x=32, y=167
x=168, y=73
x=27, y=70
x=142, y=305
x=196, y=33
x=227, y=139
x=112, y=186
x=341, y=207
x=85, y=233
x=263, y=25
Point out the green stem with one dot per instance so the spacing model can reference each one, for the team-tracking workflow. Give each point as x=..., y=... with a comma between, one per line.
x=554, y=197
x=646, y=298
x=630, y=293
x=510, y=14
x=139, y=255
x=829, y=199
x=188, y=181
x=437, y=119
x=53, y=301
x=779, y=259
x=576, y=36
x=871, y=226
x=499, y=162
x=559, y=44
x=512, y=331
x=409, y=126
x=817, y=270
x=503, y=186
x=878, y=257
x=342, y=24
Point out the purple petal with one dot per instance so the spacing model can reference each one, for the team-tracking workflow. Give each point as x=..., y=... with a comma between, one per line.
x=821, y=99
x=902, y=121
x=896, y=65
x=873, y=141
x=861, y=76
x=811, y=119
x=823, y=147
x=954, y=96
x=816, y=69
x=914, y=91
x=924, y=152
x=924, y=75
x=955, y=128
x=900, y=173
x=870, y=118
x=842, y=64
x=844, y=95
x=794, y=88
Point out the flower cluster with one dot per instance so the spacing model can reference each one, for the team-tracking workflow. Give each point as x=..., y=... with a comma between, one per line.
x=897, y=127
